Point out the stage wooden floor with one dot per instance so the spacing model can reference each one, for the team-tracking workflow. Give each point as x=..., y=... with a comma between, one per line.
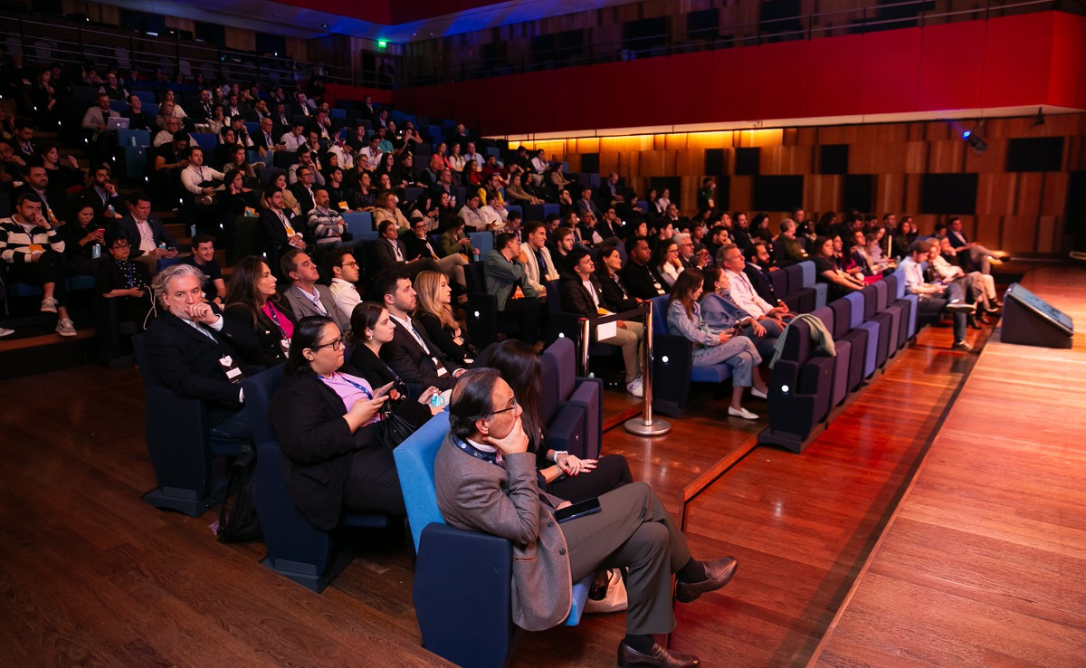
x=984, y=563
x=90, y=575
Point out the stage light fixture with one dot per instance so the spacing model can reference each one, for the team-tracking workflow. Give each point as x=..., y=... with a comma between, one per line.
x=975, y=141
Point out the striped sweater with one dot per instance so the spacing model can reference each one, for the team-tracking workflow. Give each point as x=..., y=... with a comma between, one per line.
x=17, y=242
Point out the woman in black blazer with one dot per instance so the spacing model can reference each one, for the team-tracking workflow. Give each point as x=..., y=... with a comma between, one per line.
x=253, y=302
x=329, y=425
x=371, y=328
x=616, y=297
x=435, y=314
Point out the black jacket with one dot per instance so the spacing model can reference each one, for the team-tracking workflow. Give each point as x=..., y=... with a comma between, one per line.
x=267, y=333
x=615, y=294
x=443, y=339
x=187, y=361
x=419, y=370
x=642, y=281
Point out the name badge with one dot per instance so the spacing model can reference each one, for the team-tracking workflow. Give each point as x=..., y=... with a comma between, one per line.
x=441, y=370
x=250, y=212
x=343, y=205
x=284, y=344
x=36, y=248
x=230, y=368
x=290, y=231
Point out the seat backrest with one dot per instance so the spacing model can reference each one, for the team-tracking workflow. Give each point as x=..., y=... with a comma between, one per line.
x=807, y=268
x=554, y=296
x=871, y=301
x=415, y=466
x=548, y=387
x=842, y=317
x=475, y=277
x=896, y=285
x=797, y=342
x=795, y=278
x=358, y=222
x=825, y=314
x=564, y=355
x=882, y=295
x=856, y=312
x=259, y=390
x=484, y=241
x=659, y=314
x=779, y=280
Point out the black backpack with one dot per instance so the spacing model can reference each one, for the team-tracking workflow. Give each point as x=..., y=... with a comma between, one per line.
x=238, y=521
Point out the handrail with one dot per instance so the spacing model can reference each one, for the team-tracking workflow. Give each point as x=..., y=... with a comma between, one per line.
x=418, y=71
x=98, y=46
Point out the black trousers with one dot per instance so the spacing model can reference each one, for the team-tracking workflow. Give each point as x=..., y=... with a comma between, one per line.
x=49, y=268
x=611, y=472
x=373, y=484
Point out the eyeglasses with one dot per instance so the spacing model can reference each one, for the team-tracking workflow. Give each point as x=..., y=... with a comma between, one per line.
x=349, y=264
x=506, y=410
x=121, y=245
x=336, y=344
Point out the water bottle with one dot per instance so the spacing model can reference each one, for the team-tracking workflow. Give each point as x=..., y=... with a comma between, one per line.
x=96, y=250
x=436, y=400
x=110, y=211
x=132, y=141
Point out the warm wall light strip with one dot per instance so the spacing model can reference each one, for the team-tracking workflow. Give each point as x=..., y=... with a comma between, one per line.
x=671, y=141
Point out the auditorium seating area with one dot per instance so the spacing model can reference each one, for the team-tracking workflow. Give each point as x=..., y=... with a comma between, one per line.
x=828, y=354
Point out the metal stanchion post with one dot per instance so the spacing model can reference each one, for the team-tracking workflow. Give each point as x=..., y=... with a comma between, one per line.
x=645, y=425
x=586, y=333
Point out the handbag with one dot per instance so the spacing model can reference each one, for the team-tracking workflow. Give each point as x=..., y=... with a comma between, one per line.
x=393, y=430
x=608, y=593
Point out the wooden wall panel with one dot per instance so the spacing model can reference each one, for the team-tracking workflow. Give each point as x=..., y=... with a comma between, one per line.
x=1049, y=231
x=1028, y=200
x=822, y=192
x=741, y=193
x=916, y=157
x=946, y=157
x=1019, y=234
x=238, y=38
x=996, y=193
x=889, y=192
x=1054, y=193
x=987, y=231
x=993, y=160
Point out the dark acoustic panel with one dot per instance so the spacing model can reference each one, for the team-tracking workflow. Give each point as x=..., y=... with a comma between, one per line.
x=723, y=193
x=859, y=192
x=834, y=159
x=746, y=161
x=948, y=193
x=778, y=193
x=590, y=163
x=1039, y=154
x=714, y=161
x=672, y=183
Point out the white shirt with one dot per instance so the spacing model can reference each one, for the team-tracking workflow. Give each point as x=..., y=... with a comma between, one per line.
x=914, y=275
x=147, y=237
x=744, y=295
x=193, y=176
x=290, y=142
x=592, y=291
x=406, y=324
x=346, y=296
x=372, y=154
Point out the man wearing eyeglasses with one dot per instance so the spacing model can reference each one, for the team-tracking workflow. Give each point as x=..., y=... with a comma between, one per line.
x=485, y=479
x=343, y=267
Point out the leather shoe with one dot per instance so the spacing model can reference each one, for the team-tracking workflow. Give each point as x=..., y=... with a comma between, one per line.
x=718, y=574
x=628, y=656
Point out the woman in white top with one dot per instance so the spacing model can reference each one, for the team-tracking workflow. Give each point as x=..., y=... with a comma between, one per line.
x=663, y=201
x=666, y=260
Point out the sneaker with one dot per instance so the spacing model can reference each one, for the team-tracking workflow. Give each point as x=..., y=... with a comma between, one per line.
x=636, y=387
x=4, y=331
x=962, y=345
x=743, y=413
x=754, y=392
x=49, y=306
x=66, y=328
x=954, y=307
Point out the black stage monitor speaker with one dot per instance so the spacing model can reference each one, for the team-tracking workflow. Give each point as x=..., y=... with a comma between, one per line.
x=1029, y=320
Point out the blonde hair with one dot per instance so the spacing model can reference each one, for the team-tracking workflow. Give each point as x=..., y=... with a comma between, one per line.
x=427, y=283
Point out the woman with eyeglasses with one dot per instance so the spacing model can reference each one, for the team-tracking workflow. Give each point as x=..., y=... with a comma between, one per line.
x=253, y=302
x=124, y=282
x=334, y=429
x=560, y=473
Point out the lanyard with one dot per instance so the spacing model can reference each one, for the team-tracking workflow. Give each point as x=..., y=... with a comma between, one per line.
x=485, y=456
x=129, y=272
x=345, y=379
x=274, y=314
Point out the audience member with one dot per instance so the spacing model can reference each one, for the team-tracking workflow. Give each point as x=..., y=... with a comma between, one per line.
x=253, y=302
x=203, y=258
x=343, y=268
x=278, y=225
x=435, y=314
x=517, y=302
x=199, y=354
x=721, y=313
x=936, y=299
x=473, y=493
x=410, y=353
x=583, y=295
x=840, y=283
x=743, y=292
x=148, y=237
x=304, y=296
x=714, y=346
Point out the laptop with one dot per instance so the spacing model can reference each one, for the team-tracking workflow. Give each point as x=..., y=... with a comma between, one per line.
x=116, y=123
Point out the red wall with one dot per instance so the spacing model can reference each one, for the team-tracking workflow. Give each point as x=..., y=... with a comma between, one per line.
x=405, y=11
x=1030, y=59
x=375, y=11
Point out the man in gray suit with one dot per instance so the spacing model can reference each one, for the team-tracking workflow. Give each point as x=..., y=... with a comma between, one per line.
x=304, y=295
x=485, y=480
x=505, y=272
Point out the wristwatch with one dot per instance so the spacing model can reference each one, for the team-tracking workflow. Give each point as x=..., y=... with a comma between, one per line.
x=554, y=457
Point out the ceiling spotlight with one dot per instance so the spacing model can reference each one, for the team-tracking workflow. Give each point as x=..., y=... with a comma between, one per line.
x=975, y=142
x=1039, y=119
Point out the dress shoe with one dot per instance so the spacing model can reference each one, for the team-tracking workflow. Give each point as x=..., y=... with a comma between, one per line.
x=962, y=345
x=956, y=307
x=973, y=322
x=717, y=573
x=755, y=392
x=664, y=658
x=742, y=413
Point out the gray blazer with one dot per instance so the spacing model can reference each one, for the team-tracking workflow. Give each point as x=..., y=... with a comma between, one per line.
x=503, y=276
x=506, y=502
x=302, y=306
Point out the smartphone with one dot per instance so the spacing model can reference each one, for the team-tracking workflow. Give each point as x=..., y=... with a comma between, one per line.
x=383, y=390
x=579, y=509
